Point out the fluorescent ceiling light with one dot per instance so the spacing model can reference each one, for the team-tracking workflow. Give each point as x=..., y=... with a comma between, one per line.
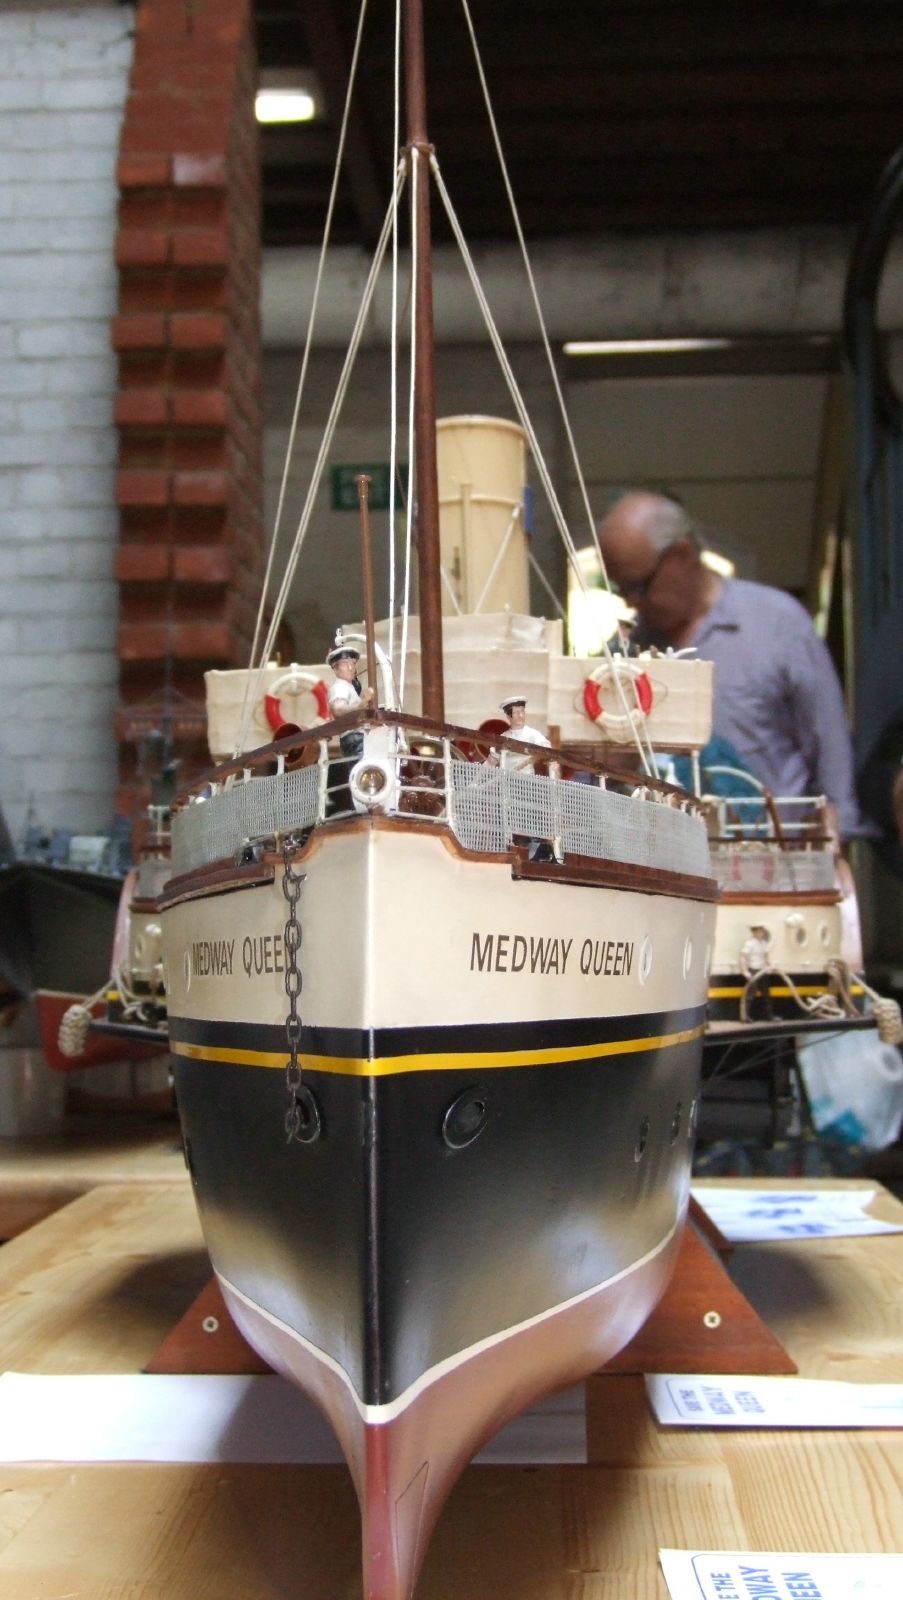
x=285, y=105
x=640, y=347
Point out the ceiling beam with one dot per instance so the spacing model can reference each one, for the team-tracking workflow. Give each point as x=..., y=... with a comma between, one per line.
x=331, y=60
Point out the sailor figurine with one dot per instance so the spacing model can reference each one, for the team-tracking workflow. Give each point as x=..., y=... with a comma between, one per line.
x=345, y=693
x=515, y=709
x=755, y=952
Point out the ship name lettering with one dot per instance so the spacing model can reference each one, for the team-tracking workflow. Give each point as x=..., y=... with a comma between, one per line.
x=759, y=1583
x=212, y=958
x=607, y=958
x=264, y=953
x=514, y=952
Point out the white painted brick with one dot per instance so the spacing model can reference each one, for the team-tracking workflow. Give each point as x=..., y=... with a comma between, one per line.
x=47, y=339
x=81, y=375
x=88, y=633
x=63, y=82
x=16, y=94
x=67, y=275
x=74, y=486
x=43, y=300
x=19, y=378
x=44, y=488
x=83, y=94
x=57, y=234
x=22, y=378
x=29, y=130
x=96, y=16
x=92, y=672
x=51, y=557
x=64, y=598
x=50, y=702
x=90, y=411
x=18, y=523
x=43, y=166
x=77, y=522
x=92, y=127
x=56, y=198
x=35, y=415
x=19, y=449
x=82, y=447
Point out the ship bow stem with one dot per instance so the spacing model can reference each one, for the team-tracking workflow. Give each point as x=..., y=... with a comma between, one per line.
x=409, y=1462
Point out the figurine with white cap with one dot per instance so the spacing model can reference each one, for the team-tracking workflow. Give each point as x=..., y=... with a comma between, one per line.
x=345, y=693
x=515, y=709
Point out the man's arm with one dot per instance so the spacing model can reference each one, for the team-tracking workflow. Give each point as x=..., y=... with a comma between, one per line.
x=822, y=727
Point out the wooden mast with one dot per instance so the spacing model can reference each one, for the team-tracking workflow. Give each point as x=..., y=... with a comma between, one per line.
x=427, y=477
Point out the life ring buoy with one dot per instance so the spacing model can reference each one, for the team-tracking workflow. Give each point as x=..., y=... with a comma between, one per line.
x=616, y=722
x=297, y=680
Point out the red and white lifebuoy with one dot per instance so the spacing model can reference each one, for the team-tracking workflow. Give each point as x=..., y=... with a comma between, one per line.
x=636, y=682
x=293, y=680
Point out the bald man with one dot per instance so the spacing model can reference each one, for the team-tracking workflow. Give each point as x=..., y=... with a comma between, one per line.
x=777, y=697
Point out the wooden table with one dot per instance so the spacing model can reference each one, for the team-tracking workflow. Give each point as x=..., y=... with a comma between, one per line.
x=37, y=1176
x=97, y=1285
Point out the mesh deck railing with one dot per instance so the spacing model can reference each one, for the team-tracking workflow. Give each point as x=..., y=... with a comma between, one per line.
x=487, y=808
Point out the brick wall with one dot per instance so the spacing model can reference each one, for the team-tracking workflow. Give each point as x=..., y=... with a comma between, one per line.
x=188, y=408
x=63, y=81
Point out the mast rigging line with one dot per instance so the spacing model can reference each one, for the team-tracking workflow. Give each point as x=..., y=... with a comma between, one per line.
x=254, y=683
x=646, y=753
x=534, y=293
x=409, y=160
x=305, y=360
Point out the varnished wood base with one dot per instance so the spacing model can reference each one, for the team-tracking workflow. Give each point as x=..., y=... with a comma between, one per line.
x=701, y=1324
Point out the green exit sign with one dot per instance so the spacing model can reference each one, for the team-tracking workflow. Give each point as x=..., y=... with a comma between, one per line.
x=344, y=486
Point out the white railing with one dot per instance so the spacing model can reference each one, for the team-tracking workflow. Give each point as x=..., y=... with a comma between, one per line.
x=393, y=771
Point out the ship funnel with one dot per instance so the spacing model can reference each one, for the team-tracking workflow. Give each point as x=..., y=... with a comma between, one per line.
x=484, y=519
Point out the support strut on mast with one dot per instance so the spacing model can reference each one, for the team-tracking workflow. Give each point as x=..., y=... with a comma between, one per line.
x=427, y=476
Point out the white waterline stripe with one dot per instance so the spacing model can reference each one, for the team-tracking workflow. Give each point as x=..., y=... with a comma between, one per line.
x=387, y=1413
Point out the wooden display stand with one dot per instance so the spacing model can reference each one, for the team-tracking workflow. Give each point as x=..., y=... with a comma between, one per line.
x=702, y=1324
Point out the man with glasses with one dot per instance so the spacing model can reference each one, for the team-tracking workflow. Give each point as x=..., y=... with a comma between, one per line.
x=777, y=697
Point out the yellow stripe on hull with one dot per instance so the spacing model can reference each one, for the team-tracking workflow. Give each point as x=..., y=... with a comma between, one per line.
x=782, y=993
x=486, y=1060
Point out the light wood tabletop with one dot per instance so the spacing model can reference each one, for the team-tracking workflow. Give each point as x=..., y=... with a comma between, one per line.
x=37, y=1176
x=96, y=1286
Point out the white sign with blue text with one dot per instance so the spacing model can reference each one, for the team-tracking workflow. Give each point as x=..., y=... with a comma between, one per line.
x=780, y=1575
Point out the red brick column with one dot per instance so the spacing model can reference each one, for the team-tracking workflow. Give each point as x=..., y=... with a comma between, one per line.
x=188, y=406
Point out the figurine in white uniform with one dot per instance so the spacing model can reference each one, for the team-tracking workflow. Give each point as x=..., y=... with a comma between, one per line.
x=515, y=709
x=345, y=692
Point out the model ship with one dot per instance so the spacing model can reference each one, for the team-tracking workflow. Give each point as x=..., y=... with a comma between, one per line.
x=436, y=994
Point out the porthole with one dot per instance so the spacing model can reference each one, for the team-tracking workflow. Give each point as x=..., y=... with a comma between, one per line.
x=465, y=1119
x=645, y=968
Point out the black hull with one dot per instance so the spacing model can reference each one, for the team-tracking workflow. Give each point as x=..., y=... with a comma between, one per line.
x=390, y=1251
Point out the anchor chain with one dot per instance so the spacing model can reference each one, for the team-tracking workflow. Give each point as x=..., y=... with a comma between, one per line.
x=292, y=881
